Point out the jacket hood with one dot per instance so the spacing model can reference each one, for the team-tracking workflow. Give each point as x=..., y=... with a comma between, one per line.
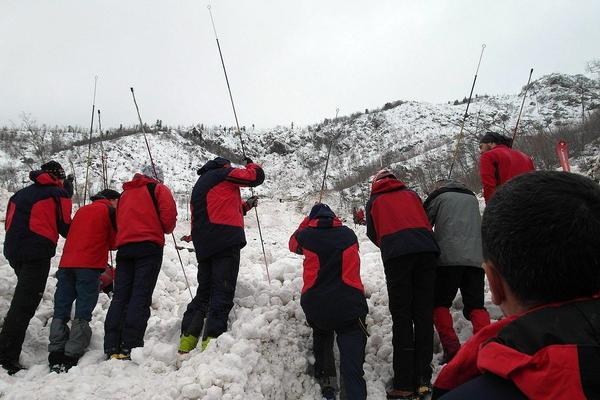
x=387, y=185
x=325, y=222
x=321, y=210
x=217, y=163
x=138, y=181
x=455, y=185
x=44, y=178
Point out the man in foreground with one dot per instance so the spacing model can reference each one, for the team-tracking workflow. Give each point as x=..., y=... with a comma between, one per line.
x=542, y=260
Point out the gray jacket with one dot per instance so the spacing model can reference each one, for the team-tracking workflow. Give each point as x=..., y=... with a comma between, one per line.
x=453, y=211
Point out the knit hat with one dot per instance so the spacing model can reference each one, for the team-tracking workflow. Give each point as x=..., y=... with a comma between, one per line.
x=108, y=194
x=55, y=169
x=148, y=171
x=321, y=210
x=218, y=162
x=493, y=137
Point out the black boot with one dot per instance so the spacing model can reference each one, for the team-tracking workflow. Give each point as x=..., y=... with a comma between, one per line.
x=69, y=362
x=55, y=361
x=12, y=367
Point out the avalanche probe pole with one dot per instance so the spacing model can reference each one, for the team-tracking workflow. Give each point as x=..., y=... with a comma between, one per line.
x=87, y=168
x=522, y=104
x=237, y=124
x=156, y=176
x=337, y=110
x=103, y=154
x=462, y=125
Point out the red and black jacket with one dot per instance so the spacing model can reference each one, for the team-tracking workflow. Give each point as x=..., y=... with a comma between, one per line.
x=551, y=352
x=396, y=221
x=333, y=293
x=146, y=212
x=91, y=236
x=35, y=216
x=498, y=165
x=217, y=209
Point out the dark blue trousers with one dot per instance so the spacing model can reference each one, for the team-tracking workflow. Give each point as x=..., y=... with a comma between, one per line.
x=217, y=278
x=351, y=341
x=79, y=285
x=138, y=266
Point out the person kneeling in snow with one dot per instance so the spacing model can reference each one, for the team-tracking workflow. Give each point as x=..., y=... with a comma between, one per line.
x=84, y=258
x=218, y=236
x=541, y=256
x=333, y=299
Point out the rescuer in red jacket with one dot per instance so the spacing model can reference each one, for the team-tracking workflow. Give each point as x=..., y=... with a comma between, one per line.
x=146, y=212
x=541, y=256
x=218, y=235
x=85, y=256
x=398, y=225
x=499, y=162
x=35, y=216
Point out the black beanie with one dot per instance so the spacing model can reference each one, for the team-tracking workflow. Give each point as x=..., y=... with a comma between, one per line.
x=55, y=169
x=493, y=137
x=108, y=194
x=321, y=210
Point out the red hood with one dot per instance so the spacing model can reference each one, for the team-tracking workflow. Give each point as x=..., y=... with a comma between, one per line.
x=44, y=178
x=387, y=185
x=138, y=181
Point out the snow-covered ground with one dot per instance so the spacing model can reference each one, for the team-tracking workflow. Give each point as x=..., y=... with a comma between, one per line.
x=264, y=355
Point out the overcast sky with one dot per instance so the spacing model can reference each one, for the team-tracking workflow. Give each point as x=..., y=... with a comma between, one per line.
x=288, y=60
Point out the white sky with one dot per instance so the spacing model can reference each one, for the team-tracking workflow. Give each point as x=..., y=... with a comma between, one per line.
x=288, y=60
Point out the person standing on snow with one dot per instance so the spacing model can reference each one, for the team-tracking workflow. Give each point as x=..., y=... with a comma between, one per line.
x=146, y=212
x=453, y=211
x=499, y=162
x=541, y=256
x=333, y=299
x=218, y=236
x=35, y=216
x=398, y=225
x=84, y=259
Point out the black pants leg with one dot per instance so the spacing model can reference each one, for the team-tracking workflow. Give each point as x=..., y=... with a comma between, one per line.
x=447, y=282
x=351, y=343
x=193, y=318
x=31, y=282
x=323, y=352
x=472, y=289
x=225, y=267
x=422, y=311
x=113, y=324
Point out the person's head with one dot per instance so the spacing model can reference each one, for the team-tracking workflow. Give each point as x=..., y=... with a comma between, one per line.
x=492, y=139
x=440, y=183
x=384, y=173
x=216, y=163
x=54, y=169
x=108, y=194
x=321, y=210
x=155, y=172
x=540, y=235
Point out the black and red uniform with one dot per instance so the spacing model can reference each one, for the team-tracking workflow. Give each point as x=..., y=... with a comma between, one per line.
x=218, y=235
x=333, y=297
x=398, y=225
x=498, y=165
x=146, y=212
x=35, y=216
x=551, y=352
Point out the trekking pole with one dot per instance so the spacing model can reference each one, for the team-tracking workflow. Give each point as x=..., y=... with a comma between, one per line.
x=462, y=125
x=75, y=183
x=337, y=110
x=87, y=168
x=522, y=104
x=102, y=154
x=237, y=125
x=156, y=176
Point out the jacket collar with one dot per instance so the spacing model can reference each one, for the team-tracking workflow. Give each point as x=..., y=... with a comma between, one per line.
x=44, y=178
x=387, y=185
x=325, y=223
x=138, y=181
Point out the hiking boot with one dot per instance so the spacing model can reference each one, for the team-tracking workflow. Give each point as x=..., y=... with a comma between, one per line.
x=401, y=394
x=188, y=343
x=328, y=392
x=120, y=356
x=69, y=362
x=12, y=367
x=205, y=342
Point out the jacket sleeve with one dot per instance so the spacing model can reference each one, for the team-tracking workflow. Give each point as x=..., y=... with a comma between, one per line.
x=63, y=218
x=245, y=208
x=487, y=171
x=294, y=245
x=371, y=233
x=432, y=208
x=253, y=175
x=167, y=208
x=112, y=228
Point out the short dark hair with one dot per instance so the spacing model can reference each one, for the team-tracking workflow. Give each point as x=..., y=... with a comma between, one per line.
x=541, y=230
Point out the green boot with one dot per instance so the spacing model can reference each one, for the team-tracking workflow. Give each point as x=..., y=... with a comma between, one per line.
x=187, y=343
x=205, y=342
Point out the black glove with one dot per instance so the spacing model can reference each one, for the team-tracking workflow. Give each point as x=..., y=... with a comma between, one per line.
x=252, y=202
x=70, y=178
x=248, y=160
x=68, y=185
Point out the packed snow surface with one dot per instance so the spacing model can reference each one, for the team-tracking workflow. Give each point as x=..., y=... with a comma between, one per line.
x=264, y=355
